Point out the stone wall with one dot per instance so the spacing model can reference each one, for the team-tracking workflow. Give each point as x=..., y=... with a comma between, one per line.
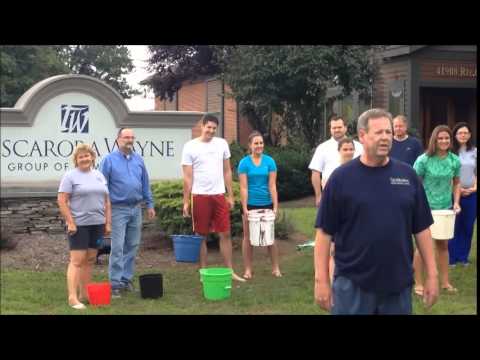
x=36, y=216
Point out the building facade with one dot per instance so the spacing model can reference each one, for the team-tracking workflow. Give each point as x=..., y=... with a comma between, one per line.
x=431, y=85
x=209, y=95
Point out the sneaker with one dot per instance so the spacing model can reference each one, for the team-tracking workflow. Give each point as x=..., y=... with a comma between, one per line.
x=128, y=287
x=116, y=294
x=465, y=264
x=452, y=265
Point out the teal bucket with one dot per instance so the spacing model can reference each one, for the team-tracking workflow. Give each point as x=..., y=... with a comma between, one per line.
x=217, y=283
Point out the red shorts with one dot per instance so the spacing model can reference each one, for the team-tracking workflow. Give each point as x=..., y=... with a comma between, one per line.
x=211, y=213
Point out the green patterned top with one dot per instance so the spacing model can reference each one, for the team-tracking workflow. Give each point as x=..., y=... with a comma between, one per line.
x=437, y=174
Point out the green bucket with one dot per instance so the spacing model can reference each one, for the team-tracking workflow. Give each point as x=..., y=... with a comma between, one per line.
x=217, y=283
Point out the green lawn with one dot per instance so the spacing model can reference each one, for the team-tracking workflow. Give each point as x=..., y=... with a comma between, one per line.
x=26, y=292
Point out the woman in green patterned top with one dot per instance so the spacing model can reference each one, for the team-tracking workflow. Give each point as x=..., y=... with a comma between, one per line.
x=439, y=169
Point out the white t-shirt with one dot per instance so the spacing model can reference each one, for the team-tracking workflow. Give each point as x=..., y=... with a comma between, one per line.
x=206, y=159
x=327, y=158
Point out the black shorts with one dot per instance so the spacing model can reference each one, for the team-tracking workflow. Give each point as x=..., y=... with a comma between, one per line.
x=87, y=237
x=257, y=207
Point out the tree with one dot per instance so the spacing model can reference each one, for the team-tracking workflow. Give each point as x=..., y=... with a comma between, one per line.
x=174, y=64
x=23, y=66
x=292, y=81
x=109, y=63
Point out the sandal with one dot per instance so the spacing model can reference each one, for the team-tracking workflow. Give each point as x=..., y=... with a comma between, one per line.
x=418, y=290
x=450, y=289
x=247, y=276
x=237, y=278
x=277, y=273
x=78, y=306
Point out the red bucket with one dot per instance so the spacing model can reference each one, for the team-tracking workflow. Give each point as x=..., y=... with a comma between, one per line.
x=99, y=293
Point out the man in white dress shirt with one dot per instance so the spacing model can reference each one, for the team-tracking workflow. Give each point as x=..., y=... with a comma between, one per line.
x=327, y=158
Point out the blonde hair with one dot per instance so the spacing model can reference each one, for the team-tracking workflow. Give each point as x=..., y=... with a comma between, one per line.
x=81, y=148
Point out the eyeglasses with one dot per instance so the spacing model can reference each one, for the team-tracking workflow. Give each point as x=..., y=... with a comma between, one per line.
x=128, y=137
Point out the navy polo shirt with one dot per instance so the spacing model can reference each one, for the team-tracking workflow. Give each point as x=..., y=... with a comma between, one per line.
x=372, y=213
x=407, y=150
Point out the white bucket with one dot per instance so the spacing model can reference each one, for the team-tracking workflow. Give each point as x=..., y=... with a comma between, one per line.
x=261, y=227
x=444, y=224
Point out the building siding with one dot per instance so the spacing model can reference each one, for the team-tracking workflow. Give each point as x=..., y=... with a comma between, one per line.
x=389, y=72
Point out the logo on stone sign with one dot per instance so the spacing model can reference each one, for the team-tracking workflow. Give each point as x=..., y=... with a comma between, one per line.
x=74, y=119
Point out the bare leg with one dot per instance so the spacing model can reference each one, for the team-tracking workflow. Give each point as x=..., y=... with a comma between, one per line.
x=273, y=250
x=442, y=251
x=418, y=272
x=247, y=250
x=77, y=260
x=226, y=250
x=86, y=273
x=203, y=253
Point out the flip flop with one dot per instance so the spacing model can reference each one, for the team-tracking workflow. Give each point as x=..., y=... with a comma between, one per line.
x=450, y=289
x=277, y=273
x=78, y=306
x=238, y=278
x=247, y=276
x=418, y=290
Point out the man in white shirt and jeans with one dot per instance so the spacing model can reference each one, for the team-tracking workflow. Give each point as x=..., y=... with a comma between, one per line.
x=206, y=173
x=326, y=157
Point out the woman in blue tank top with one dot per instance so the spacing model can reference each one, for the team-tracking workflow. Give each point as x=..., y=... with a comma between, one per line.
x=258, y=190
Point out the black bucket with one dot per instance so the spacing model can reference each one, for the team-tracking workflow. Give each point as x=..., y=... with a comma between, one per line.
x=151, y=286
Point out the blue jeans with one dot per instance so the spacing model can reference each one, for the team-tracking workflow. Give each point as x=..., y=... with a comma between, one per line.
x=459, y=246
x=349, y=299
x=126, y=232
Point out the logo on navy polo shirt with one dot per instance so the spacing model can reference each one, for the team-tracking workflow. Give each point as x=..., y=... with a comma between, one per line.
x=399, y=181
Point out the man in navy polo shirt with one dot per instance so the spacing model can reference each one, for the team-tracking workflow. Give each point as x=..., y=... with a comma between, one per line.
x=405, y=148
x=371, y=206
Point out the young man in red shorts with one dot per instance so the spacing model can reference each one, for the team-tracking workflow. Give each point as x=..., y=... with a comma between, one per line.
x=206, y=173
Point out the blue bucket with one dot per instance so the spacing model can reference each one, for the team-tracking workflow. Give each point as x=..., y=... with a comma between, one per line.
x=187, y=247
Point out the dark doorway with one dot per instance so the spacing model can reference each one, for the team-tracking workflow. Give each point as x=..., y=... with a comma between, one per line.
x=447, y=106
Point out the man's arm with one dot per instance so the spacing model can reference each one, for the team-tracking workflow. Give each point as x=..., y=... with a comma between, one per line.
x=147, y=193
x=227, y=176
x=323, y=291
x=317, y=186
x=108, y=216
x=424, y=244
x=187, y=188
x=243, y=192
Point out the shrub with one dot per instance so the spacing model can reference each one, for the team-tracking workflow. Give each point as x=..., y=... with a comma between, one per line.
x=168, y=198
x=237, y=152
x=293, y=175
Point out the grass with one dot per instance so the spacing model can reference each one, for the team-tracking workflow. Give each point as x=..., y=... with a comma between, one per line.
x=27, y=292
